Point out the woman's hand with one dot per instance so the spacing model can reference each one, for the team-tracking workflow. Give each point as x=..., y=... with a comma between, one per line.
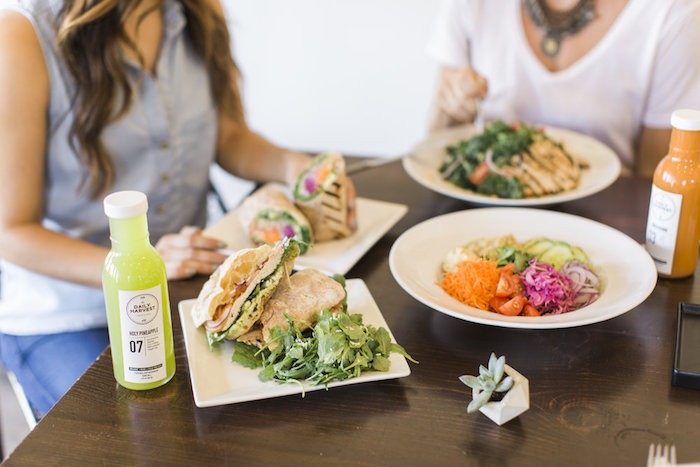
x=458, y=96
x=189, y=252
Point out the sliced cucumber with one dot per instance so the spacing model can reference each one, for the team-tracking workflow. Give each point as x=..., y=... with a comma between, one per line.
x=554, y=252
x=537, y=246
x=557, y=255
x=579, y=254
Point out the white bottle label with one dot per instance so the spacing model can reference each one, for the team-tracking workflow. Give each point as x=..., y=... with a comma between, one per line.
x=143, y=339
x=662, y=227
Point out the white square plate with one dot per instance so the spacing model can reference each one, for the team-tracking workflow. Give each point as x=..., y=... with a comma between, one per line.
x=374, y=219
x=216, y=380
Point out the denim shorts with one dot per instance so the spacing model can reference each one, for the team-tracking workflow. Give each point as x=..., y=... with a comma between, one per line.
x=46, y=366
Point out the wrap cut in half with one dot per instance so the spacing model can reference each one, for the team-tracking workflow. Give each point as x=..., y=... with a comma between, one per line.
x=321, y=192
x=232, y=300
x=300, y=299
x=269, y=216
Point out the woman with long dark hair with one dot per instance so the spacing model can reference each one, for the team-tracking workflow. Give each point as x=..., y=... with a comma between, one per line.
x=99, y=96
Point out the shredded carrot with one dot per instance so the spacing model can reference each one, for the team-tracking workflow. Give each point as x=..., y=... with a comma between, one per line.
x=472, y=282
x=322, y=174
x=271, y=236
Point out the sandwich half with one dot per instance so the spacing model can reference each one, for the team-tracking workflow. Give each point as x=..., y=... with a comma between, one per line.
x=269, y=216
x=232, y=300
x=321, y=193
x=299, y=300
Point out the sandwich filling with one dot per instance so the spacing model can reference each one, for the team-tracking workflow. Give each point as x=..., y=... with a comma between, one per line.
x=234, y=297
x=272, y=225
x=323, y=172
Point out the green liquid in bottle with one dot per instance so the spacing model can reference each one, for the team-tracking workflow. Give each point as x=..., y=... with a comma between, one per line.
x=136, y=297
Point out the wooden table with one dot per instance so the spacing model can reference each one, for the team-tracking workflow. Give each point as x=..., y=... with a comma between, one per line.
x=600, y=394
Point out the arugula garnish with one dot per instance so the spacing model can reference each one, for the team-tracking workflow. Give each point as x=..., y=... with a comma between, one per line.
x=340, y=346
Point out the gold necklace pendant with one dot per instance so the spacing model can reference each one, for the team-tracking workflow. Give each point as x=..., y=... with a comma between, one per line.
x=550, y=45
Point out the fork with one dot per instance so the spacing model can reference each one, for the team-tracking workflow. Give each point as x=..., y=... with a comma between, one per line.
x=478, y=121
x=478, y=116
x=661, y=455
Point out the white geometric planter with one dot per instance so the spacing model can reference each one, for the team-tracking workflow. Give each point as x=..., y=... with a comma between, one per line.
x=515, y=402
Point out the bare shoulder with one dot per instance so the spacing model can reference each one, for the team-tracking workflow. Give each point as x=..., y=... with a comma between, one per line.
x=15, y=26
x=24, y=79
x=21, y=56
x=18, y=40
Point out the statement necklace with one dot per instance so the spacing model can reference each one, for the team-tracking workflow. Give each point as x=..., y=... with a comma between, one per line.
x=557, y=25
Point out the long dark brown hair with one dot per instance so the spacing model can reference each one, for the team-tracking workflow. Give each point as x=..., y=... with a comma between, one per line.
x=90, y=38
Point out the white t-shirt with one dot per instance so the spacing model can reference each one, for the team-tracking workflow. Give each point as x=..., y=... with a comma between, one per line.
x=645, y=67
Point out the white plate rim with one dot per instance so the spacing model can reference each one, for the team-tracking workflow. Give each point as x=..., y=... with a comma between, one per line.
x=613, y=301
x=198, y=353
x=374, y=219
x=425, y=158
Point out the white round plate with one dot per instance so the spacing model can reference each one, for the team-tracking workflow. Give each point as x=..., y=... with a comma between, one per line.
x=426, y=157
x=628, y=272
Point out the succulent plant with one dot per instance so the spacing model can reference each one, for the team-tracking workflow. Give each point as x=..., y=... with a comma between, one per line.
x=489, y=384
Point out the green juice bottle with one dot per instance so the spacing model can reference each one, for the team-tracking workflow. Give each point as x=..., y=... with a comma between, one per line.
x=136, y=297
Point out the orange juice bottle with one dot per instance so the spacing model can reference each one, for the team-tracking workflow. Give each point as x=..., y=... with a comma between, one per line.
x=673, y=225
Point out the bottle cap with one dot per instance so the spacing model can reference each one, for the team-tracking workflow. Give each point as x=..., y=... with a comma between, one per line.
x=686, y=119
x=125, y=204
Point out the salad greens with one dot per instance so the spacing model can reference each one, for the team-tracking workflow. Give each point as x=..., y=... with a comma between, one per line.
x=486, y=153
x=338, y=347
x=510, y=254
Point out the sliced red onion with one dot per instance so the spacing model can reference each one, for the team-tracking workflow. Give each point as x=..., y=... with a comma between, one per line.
x=584, y=281
x=492, y=165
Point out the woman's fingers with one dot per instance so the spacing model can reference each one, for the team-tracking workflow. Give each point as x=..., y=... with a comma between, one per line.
x=460, y=90
x=456, y=105
x=184, y=269
x=481, y=86
x=189, y=236
x=178, y=270
x=196, y=254
x=189, y=252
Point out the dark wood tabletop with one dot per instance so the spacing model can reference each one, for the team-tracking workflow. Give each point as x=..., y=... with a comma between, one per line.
x=600, y=394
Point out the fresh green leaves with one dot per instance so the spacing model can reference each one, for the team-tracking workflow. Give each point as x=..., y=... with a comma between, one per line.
x=497, y=145
x=340, y=346
x=508, y=254
x=503, y=187
x=246, y=355
x=340, y=279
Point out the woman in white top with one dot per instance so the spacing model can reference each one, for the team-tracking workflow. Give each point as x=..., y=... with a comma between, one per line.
x=613, y=69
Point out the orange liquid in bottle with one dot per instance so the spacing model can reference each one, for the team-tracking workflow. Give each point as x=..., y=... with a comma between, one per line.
x=673, y=230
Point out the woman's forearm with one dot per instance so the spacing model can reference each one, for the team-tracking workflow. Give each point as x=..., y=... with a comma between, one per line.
x=43, y=251
x=249, y=155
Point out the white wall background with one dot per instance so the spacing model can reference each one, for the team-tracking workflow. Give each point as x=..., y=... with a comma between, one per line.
x=344, y=75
